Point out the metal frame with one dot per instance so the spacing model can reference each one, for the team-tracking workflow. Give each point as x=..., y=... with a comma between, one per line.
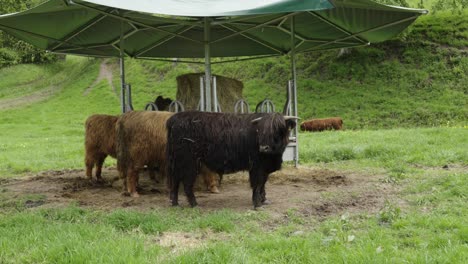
x=207, y=29
x=208, y=92
x=241, y=103
x=177, y=106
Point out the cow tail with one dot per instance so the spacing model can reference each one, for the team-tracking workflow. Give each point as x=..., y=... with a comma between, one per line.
x=169, y=158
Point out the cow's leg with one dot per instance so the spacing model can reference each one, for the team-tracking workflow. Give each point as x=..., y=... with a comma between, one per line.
x=256, y=182
x=99, y=163
x=188, y=188
x=152, y=173
x=123, y=177
x=209, y=177
x=132, y=178
x=175, y=192
x=89, y=162
x=264, y=200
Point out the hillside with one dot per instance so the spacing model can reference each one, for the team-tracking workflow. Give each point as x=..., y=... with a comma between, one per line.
x=418, y=79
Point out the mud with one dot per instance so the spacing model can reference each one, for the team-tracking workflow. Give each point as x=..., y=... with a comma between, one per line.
x=309, y=191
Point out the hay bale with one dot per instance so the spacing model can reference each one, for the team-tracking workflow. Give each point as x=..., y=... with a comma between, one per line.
x=188, y=91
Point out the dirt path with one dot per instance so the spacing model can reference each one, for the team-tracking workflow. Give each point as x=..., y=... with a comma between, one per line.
x=312, y=192
x=105, y=73
x=28, y=99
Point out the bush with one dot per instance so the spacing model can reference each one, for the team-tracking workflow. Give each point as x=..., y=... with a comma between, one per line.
x=8, y=57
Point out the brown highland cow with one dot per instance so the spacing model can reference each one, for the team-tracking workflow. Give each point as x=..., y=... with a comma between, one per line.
x=322, y=124
x=141, y=139
x=99, y=142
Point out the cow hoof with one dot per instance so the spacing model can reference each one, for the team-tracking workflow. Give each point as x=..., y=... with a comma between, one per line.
x=100, y=181
x=259, y=208
x=266, y=202
x=135, y=195
x=214, y=189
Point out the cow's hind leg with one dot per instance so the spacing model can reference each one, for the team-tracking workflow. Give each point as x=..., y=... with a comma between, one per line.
x=99, y=162
x=188, y=188
x=132, y=179
x=175, y=192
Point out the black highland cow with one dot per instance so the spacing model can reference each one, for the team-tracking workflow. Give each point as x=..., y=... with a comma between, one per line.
x=225, y=143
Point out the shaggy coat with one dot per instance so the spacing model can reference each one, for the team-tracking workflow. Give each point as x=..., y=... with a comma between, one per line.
x=99, y=142
x=141, y=140
x=225, y=143
x=314, y=125
x=162, y=103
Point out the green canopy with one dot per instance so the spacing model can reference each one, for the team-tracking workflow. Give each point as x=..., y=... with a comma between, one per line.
x=179, y=28
x=206, y=29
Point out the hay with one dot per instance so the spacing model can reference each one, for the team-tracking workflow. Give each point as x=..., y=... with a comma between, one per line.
x=188, y=91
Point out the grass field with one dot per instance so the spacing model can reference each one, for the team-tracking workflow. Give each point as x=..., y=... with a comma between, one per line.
x=399, y=170
x=424, y=221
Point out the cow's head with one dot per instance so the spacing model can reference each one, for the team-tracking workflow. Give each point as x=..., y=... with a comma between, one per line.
x=273, y=132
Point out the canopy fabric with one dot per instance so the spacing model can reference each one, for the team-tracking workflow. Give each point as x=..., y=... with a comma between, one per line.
x=179, y=28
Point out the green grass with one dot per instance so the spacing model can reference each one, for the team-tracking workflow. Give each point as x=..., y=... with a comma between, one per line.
x=433, y=147
x=431, y=228
x=404, y=107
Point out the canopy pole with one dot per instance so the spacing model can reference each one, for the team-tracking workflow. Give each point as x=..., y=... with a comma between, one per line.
x=207, y=25
x=122, y=71
x=294, y=89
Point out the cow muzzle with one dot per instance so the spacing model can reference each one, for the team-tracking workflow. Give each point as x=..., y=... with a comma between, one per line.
x=265, y=149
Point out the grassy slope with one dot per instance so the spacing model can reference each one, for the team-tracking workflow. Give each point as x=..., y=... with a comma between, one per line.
x=416, y=80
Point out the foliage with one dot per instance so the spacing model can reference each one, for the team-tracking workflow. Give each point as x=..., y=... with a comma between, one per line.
x=26, y=53
x=451, y=5
x=8, y=57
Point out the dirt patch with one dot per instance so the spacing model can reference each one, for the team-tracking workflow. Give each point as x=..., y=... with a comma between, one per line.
x=309, y=191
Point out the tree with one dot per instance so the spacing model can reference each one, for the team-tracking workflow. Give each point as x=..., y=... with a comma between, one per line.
x=21, y=51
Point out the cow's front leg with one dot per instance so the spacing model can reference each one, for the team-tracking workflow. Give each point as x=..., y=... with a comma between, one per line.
x=264, y=200
x=257, y=180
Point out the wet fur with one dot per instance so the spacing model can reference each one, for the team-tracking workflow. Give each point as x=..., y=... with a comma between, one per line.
x=142, y=141
x=225, y=143
x=99, y=142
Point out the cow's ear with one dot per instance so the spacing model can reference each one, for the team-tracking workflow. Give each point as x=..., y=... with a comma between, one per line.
x=291, y=124
x=291, y=121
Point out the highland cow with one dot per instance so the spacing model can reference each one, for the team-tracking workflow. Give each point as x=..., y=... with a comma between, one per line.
x=141, y=139
x=162, y=103
x=225, y=143
x=332, y=123
x=99, y=142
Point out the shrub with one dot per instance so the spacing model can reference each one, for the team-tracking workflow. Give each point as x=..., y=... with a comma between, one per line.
x=8, y=57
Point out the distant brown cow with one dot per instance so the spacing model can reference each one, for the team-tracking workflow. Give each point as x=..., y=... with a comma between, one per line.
x=141, y=139
x=99, y=142
x=322, y=124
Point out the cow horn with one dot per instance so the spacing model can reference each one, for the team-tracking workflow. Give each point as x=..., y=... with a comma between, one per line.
x=256, y=120
x=291, y=117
